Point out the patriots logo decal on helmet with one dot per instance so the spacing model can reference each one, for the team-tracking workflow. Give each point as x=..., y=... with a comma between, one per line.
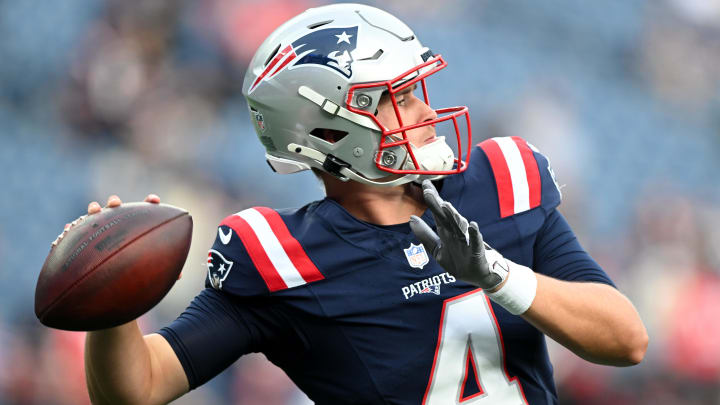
x=330, y=47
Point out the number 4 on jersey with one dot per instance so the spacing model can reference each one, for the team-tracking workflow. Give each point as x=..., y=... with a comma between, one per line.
x=469, y=343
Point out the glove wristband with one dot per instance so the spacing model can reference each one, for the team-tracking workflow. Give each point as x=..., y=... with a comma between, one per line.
x=519, y=290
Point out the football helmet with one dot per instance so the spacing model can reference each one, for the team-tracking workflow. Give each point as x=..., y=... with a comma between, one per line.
x=313, y=89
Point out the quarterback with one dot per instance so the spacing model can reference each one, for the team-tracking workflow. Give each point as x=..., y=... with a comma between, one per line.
x=429, y=274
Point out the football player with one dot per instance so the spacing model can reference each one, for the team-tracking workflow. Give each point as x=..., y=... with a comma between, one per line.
x=425, y=276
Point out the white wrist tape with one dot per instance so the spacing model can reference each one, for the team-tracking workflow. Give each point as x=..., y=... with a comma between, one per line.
x=519, y=290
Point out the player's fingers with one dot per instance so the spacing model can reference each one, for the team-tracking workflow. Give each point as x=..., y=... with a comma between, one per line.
x=460, y=220
x=476, y=239
x=113, y=201
x=462, y=223
x=152, y=198
x=433, y=201
x=425, y=234
x=93, y=208
x=455, y=223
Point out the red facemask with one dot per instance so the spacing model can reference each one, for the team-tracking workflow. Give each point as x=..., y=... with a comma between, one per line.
x=397, y=138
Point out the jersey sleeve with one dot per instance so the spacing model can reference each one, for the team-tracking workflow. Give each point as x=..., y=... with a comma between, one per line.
x=217, y=328
x=230, y=267
x=558, y=253
x=255, y=254
x=522, y=175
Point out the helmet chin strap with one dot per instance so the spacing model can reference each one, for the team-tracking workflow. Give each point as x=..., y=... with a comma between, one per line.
x=348, y=174
x=397, y=182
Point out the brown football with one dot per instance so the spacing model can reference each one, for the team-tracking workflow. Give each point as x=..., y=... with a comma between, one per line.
x=113, y=266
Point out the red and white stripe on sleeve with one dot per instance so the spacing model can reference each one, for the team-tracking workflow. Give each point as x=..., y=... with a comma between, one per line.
x=277, y=255
x=516, y=174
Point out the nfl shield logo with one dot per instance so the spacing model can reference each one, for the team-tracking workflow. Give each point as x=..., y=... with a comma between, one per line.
x=416, y=255
x=259, y=119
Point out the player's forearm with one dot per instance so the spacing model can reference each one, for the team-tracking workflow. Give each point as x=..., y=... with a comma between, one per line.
x=593, y=320
x=118, y=365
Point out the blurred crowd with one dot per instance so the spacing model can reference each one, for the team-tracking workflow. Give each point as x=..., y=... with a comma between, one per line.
x=104, y=97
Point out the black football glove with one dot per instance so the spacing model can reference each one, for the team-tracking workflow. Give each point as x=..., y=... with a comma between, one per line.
x=459, y=248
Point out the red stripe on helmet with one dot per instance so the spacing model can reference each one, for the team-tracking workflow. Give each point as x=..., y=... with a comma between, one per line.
x=272, y=64
x=285, y=63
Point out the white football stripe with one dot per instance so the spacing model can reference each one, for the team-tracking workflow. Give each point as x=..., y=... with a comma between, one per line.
x=273, y=248
x=518, y=175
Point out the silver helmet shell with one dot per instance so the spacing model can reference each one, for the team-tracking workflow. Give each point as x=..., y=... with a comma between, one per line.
x=308, y=78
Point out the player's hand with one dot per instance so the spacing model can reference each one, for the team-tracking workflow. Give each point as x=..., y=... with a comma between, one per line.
x=458, y=245
x=115, y=201
x=94, y=207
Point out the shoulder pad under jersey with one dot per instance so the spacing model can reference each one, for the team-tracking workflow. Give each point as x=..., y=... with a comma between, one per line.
x=255, y=253
x=523, y=177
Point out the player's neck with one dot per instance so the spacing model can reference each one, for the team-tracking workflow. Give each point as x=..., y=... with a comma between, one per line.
x=376, y=205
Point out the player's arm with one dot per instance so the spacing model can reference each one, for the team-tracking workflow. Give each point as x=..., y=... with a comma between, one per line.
x=602, y=325
x=124, y=367
x=593, y=320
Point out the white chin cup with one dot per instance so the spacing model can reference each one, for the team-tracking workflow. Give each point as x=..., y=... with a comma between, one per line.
x=436, y=156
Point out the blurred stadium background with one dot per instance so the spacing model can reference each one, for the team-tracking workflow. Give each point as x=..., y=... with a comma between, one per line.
x=133, y=97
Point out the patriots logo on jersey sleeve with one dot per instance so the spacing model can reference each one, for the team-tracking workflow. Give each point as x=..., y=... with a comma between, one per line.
x=330, y=47
x=218, y=268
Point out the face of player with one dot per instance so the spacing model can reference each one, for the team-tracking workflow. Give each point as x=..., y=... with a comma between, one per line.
x=413, y=110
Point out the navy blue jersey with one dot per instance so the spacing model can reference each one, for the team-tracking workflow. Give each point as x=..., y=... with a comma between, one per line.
x=357, y=313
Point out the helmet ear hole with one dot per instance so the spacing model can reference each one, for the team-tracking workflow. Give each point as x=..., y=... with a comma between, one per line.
x=328, y=135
